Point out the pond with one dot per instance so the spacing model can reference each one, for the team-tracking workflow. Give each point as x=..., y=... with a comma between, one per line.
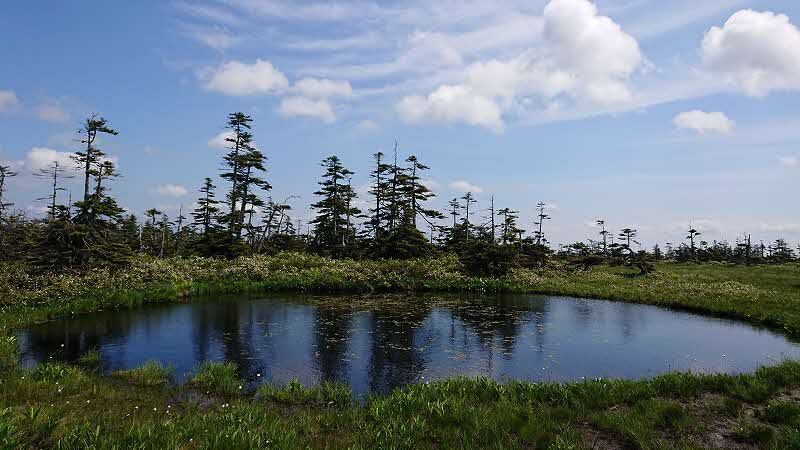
x=377, y=343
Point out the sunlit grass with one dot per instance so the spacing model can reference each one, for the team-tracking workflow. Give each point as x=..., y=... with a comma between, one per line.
x=58, y=405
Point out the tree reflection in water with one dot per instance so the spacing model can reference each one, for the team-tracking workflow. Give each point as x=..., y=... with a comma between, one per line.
x=378, y=343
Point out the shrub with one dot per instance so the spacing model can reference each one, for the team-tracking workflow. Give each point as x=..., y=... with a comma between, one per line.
x=485, y=259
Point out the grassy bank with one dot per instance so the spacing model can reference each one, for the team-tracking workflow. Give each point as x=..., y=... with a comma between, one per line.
x=63, y=406
x=768, y=295
x=69, y=407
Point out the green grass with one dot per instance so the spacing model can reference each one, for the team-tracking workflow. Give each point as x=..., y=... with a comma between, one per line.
x=151, y=373
x=217, y=378
x=62, y=406
x=767, y=295
x=294, y=393
x=56, y=405
x=90, y=359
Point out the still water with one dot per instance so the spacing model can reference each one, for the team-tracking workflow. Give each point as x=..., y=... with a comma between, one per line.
x=375, y=344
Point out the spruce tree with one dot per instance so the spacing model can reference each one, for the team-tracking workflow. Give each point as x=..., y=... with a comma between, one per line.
x=91, y=156
x=5, y=175
x=330, y=224
x=96, y=238
x=53, y=173
x=240, y=143
x=380, y=191
x=693, y=234
x=469, y=199
x=205, y=215
x=538, y=235
x=251, y=163
x=417, y=193
x=508, y=228
x=604, y=233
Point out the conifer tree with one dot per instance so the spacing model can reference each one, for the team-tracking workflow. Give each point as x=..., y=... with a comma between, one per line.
x=539, y=233
x=380, y=191
x=92, y=156
x=627, y=235
x=5, y=174
x=396, y=201
x=95, y=238
x=469, y=199
x=240, y=143
x=455, y=207
x=53, y=173
x=205, y=215
x=335, y=204
x=693, y=233
x=604, y=233
x=252, y=162
x=508, y=228
x=416, y=192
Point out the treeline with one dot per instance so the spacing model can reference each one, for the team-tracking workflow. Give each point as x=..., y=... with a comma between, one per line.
x=234, y=215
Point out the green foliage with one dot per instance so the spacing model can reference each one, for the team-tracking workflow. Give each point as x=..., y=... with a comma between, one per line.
x=333, y=225
x=485, y=259
x=404, y=242
x=533, y=256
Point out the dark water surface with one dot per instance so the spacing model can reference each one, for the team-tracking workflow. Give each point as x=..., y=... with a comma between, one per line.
x=375, y=344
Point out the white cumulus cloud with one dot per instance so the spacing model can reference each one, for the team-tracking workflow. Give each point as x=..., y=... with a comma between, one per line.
x=236, y=78
x=307, y=107
x=704, y=122
x=452, y=104
x=465, y=186
x=219, y=141
x=758, y=52
x=170, y=190
x=42, y=157
x=583, y=55
x=8, y=100
x=592, y=49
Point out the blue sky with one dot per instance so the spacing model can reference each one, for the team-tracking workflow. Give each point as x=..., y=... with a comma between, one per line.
x=647, y=115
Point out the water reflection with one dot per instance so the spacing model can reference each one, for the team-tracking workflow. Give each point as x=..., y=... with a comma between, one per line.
x=378, y=343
